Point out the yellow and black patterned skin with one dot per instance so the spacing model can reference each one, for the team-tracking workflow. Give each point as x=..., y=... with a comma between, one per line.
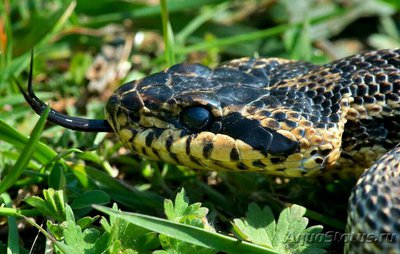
x=278, y=117
x=273, y=116
x=268, y=115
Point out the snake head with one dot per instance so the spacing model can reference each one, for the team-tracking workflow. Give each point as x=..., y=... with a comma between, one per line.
x=225, y=118
x=213, y=119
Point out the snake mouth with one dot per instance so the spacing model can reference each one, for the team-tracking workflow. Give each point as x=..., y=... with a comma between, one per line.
x=70, y=122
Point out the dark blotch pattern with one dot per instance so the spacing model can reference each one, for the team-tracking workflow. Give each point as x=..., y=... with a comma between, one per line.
x=234, y=155
x=282, y=145
x=152, y=136
x=254, y=134
x=249, y=131
x=207, y=149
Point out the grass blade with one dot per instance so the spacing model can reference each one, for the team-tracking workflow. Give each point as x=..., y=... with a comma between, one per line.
x=13, y=237
x=186, y=233
x=42, y=28
x=167, y=34
x=8, y=134
x=26, y=154
x=145, y=12
x=236, y=39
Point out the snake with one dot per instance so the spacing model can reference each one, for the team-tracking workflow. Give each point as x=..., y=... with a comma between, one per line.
x=273, y=116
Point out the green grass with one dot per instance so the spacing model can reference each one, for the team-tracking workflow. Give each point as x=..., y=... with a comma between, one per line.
x=52, y=184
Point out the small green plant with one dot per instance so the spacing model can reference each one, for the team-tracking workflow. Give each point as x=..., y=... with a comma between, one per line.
x=258, y=232
x=287, y=235
x=185, y=230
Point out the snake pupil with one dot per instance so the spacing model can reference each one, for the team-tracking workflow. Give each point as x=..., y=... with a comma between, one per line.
x=195, y=118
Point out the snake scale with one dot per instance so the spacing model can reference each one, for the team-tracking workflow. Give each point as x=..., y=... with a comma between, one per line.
x=274, y=116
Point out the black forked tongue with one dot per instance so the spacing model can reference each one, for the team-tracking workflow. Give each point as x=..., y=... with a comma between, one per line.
x=73, y=123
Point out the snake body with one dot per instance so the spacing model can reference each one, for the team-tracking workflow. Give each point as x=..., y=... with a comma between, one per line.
x=279, y=117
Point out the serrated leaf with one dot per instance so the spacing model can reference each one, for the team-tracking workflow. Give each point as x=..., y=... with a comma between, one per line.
x=258, y=226
x=175, y=211
x=290, y=222
x=181, y=211
x=288, y=235
x=72, y=232
x=88, y=241
x=55, y=229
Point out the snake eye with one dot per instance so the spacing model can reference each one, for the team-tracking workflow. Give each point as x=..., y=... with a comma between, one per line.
x=195, y=118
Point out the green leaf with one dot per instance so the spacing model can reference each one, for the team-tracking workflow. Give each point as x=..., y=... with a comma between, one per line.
x=39, y=204
x=252, y=36
x=55, y=229
x=88, y=198
x=89, y=241
x=258, y=226
x=288, y=235
x=56, y=178
x=55, y=201
x=79, y=64
x=73, y=236
x=182, y=212
x=187, y=233
x=52, y=205
x=87, y=221
x=290, y=222
x=129, y=238
x=130, y=12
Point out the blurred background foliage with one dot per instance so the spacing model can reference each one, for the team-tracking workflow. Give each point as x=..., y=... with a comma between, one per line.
x=85, y=49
